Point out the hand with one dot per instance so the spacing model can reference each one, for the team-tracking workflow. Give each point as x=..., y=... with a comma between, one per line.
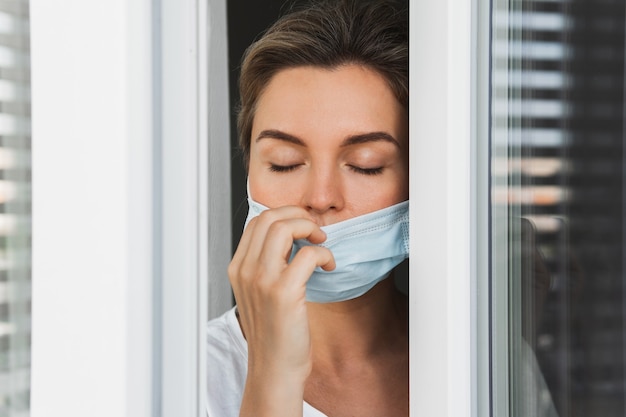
x=270, y=294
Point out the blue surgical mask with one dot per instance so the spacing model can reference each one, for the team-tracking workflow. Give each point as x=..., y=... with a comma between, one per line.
x=366, y=248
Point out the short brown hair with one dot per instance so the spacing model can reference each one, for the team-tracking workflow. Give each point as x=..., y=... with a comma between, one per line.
x=326, y=34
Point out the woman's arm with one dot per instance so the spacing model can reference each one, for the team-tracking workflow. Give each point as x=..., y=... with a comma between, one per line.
x=270, y=294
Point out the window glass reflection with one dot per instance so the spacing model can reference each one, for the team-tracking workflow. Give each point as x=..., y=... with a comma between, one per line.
x=557, y=195
x=15, y=202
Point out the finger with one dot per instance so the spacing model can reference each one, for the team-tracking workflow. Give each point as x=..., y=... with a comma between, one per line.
x=305, y=261
x=246, y=264
x=251, y=229
x=244, y=243
x=280, y=236
x=264, y=221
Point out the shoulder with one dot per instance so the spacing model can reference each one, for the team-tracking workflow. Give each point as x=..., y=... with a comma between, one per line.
x=227, y=363
x=224, y=335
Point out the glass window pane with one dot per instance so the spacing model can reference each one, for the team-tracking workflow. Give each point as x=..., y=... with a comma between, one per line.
x=15, y=282
x=557, y=204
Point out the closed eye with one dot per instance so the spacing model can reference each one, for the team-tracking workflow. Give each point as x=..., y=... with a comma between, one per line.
x=366, y=171
x=283, y=168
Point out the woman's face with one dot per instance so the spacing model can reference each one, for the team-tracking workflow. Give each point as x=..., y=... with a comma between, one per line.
x=334, y=142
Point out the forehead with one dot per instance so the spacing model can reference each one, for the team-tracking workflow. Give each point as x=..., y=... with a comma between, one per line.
x=314, y=102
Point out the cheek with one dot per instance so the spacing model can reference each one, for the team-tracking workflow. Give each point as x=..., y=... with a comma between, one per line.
x=396, y=193
x=271, y=189
x=366, y=196
x=257, y=188
x=397, y=186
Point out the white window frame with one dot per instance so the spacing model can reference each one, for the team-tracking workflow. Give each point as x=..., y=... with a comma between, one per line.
x=130, y=203
x=449, y=332
x=196, y=193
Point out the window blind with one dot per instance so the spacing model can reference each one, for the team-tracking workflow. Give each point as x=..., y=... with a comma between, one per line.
x=15, y=209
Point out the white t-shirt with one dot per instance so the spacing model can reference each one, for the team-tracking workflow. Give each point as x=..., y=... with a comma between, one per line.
x=227, y=366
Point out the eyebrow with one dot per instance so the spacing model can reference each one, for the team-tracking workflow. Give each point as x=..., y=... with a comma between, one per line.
x=370, y=137
x=350, y=140
x=277, y=134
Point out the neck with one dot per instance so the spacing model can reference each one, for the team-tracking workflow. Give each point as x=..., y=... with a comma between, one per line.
x=361, y=327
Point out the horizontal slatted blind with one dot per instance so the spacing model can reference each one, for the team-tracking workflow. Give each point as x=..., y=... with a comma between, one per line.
x=15, y=209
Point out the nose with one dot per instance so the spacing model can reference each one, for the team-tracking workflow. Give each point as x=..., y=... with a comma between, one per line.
x=323, y=192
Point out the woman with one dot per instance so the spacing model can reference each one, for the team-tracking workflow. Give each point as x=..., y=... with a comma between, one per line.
x=319, y=328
